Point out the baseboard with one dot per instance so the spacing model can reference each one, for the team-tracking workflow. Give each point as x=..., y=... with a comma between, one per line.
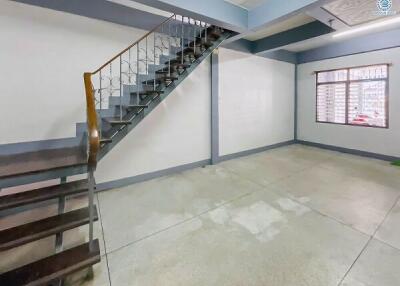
x=349, y=151
x=149, y=176
x=254, y=151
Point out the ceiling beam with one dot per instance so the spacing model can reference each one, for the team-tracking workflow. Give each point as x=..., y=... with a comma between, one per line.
x=302, y=33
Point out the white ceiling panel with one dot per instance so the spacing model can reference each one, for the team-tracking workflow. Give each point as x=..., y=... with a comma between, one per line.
x=356, y=12
x=247, y=4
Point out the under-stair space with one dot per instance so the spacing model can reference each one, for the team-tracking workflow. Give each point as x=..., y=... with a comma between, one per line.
x=119, y=95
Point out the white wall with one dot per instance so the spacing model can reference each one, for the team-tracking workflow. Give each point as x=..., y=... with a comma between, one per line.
x=256, y=101
x=43, y=54
x=177, y=132
x=376, y=140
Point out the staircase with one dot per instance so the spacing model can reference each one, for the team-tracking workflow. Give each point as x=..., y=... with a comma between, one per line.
x=119, y=95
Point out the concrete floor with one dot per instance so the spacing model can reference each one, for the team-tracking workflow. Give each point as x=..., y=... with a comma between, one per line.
x=291, y=216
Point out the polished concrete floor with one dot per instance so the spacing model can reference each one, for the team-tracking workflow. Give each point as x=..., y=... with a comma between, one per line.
x=290, y=216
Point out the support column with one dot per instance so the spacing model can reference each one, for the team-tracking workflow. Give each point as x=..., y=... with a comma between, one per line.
x=214, y=107
x=61, y=210
x=295, y=102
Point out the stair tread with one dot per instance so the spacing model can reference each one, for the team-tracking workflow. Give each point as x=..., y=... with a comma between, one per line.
x=39, y=161
x=36, y=230
x=118, y=122
x=42, y=194
x=105, y=140
x=53, y=267
x=134, y=105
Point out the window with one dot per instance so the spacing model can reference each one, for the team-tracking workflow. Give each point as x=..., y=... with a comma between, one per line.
x=353, y=96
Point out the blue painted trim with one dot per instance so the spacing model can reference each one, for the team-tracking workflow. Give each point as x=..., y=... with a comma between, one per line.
x=254, y=151
x=298, y=34
x=363, y=44
x=349, y=151
x=214, y=107
x=102, y=10
x=149, y=176
x=153, y=175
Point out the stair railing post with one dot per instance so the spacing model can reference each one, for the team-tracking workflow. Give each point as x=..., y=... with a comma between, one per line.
x=194, y=37
x=182, y=41
x=205, y=24
x=61, y=210
x=101, y=101
x=147, y=68
x=169, y=48
x=120, y=87
x=137, y=74
x=91, y=185
x=154, y=82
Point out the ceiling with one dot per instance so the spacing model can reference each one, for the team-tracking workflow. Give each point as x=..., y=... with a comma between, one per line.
x=293, y=22
x=246, y=4
x=356, y=12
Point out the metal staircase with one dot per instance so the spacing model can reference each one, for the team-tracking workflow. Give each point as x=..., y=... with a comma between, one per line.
x=119, y=95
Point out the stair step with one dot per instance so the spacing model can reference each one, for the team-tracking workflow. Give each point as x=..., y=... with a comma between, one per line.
x=202, y=42
x=36, y=230
x=105, y=140
x=31, y=163
x=42, y=194
x=53, y=267
x=160, y=80
x=190, y=51
x=134, y=106
x=176, y=63
x=119, y=122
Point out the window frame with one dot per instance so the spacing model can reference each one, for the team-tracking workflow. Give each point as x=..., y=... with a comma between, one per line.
x=347, y=83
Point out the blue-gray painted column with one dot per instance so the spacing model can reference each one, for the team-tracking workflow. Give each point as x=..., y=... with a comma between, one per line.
x=214, y=108
x=295, y=100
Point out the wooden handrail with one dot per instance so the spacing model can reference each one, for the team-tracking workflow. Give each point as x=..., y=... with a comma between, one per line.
x=130, y=46
x=93, y=130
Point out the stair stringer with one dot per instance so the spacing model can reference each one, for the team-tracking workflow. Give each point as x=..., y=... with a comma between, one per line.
x=166, y=92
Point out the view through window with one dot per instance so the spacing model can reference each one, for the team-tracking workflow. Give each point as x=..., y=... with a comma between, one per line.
x=353, y=96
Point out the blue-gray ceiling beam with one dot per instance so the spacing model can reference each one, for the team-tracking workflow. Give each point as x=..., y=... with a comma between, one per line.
x=302, y=33
x=352, y=46
x=241, y=45
x=216, y=12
